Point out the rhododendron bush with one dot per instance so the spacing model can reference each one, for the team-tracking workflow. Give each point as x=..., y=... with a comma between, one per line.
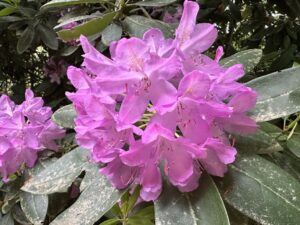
x=161, y=127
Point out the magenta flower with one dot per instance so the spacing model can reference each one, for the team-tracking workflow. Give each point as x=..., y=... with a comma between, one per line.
x=160, y=106
x=55, y=70
x=25, y=130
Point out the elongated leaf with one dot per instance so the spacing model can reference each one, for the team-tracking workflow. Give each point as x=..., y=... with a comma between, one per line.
x=34, y=206
x=25, y=40
x=278, y=94
x=258, y=143
x=74, y=19
x=59, y=175
x=262, y=191
x=155, y=3
x=294, y=145
x=96, y=199
x=7, y=220
x=48, y=36
x=7, y=11
x=65, y=116
x=89, y=28
x=201, y=207
x=249, y=58
x=8, y=19
x=60, y=3
x=111, y=33
x=138, y=25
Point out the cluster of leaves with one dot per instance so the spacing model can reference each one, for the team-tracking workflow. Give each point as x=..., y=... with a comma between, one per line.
x=261, y=187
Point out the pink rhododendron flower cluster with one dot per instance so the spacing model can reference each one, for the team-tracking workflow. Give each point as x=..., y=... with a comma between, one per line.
x=160, y=103
x=25, y=130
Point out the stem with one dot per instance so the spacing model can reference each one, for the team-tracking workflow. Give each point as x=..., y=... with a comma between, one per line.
x=292, y=124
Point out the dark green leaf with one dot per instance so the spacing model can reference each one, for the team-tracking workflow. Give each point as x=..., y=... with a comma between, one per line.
x=60, y=3
x=138, y=25
x=65, y=116
x=58, y=176
x=25, y=40
x=293, y=145
x=48, y=36
x=201, y=207
x=89, y=28
x=278, y=94
x=249, y=58
x=8, y=19
x=19, y=216
x=7, y=220
x=96, y=199
x=154, y=3
x=262, y=191
x=258, y=143
x=34, y=206
x=111, y=33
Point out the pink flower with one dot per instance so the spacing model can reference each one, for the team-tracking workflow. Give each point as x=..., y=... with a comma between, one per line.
x=55, y=70
x=160, y=103
x=25, y=130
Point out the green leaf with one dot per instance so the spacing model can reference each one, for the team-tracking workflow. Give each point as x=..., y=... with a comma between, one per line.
x=65, y=116
x=111, y=33
x=249, y=58
x=34, y=206
x=258, y=143
x=60, y=3
x=25, y=40
x=59, y=175
x=93, y=202
x=154, y=3
x=111, y=222
x=48, y=36
x=278, y=94
x=8, y=19
x=262, y=191
x=133, y=198
x=89, y=28
x=7, y=220
x=134, y=220
x=293, y=145
x=138, y=25
x=74, y=19
x=201, y=207
x=7, y=11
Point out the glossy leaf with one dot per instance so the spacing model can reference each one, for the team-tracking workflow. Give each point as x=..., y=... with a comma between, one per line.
x=59, y=175
x=138, y=25
x=258, y=143
x=25, y=40
x=155, y=3
x=111, y=33
x=201, y=207
x=48, y=36
x=249, y=58
x=60, y=3
x=65, y=116
x=278, y=94
x=262, y=191
x=34, y=206
x=96, y=199
x=89, y=28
